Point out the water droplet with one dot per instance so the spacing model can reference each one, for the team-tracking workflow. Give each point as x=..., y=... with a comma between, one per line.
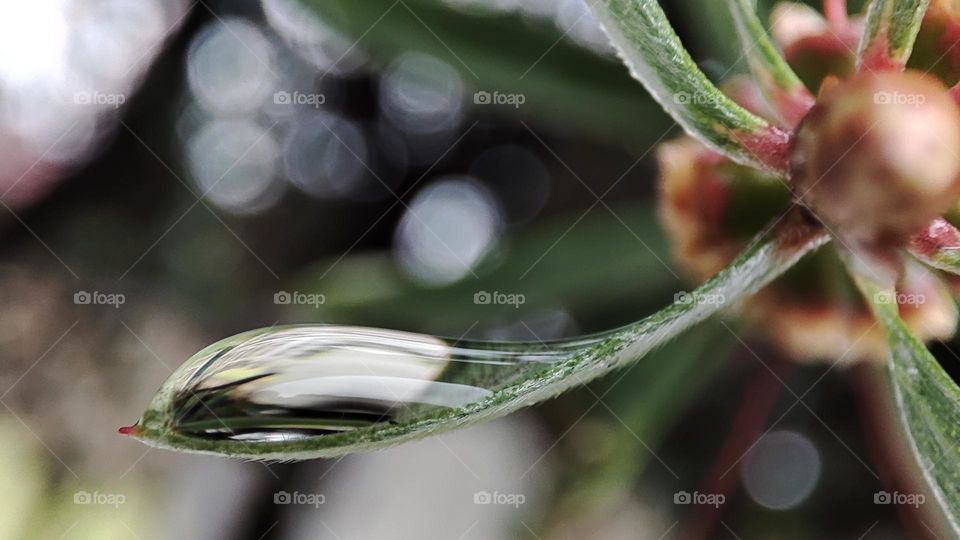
x=289, y=383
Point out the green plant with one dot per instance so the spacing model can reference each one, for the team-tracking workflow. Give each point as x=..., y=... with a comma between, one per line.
x=283, y=393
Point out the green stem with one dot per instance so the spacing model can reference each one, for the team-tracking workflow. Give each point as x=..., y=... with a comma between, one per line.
x=779, y=84
x=655, y=56
x=892, y=27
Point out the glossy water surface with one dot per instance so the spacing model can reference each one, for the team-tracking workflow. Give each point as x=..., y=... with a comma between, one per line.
x=308, y=381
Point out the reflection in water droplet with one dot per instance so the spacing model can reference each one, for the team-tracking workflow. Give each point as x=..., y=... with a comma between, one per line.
x=293, y=382
x=447, y=229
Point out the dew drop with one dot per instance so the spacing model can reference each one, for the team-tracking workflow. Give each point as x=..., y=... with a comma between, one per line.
x=297, y=382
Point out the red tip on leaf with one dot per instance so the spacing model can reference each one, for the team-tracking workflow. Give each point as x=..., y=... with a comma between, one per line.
x=128, y=430
x=771, y=147
x=938, y=235
x=877, y=56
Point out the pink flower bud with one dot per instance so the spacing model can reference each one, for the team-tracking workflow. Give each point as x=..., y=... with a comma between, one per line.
x=878, y=157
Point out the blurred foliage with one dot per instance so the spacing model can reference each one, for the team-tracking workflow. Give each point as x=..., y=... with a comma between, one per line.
x=566, y=85
x=641, y=406
x=628, y=268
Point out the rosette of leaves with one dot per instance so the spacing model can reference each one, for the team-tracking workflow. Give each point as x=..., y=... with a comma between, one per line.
x=773, y=136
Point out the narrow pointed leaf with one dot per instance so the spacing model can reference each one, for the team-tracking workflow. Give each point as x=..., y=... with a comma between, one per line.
x=927, y=399
x=938, y=246
x=652, y=51
x=891, y=31
x=319, y=391
x=780, y=85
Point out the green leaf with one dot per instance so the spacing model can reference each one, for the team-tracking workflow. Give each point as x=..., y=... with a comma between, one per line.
x=651, y=49
x=927, y=399
x=780, y=85
x=891, y=30
x=938, y=246
x=205, y=406
x=565, y=85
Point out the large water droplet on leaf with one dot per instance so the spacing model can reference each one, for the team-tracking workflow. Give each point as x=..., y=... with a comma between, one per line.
x=295, y=382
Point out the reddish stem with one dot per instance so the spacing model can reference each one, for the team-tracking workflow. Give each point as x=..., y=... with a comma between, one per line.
x=836, y=13
x=793, y=107
x=770, y=146
x=759, y=398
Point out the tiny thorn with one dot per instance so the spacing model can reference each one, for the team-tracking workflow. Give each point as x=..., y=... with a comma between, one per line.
x=128, y=430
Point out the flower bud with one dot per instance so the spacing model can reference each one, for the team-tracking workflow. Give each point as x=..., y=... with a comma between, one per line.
x=878, y=157
x=811, y=47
